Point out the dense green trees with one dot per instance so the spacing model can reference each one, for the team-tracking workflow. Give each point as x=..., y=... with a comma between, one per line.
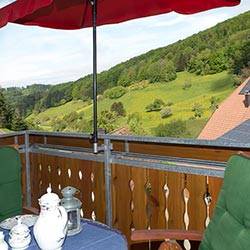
x=10, y=118
x=225, y=46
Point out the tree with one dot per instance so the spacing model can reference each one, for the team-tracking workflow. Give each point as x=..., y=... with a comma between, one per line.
x=241, y=58
x=18, y=122
x=107, y=120
x=6, y=112
x=135, y=124
x=118, y=108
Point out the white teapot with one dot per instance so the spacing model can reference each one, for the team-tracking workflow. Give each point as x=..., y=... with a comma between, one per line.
x=19, y=236
x=3, y=244
x=50, y=228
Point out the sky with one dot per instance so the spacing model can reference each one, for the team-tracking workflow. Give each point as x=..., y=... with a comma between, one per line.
x=30, y=54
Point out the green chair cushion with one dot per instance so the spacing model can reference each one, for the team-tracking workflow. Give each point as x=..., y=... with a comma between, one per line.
x=229, y=228
x=10, y=182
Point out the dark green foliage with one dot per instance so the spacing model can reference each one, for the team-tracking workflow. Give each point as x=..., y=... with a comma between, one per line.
x=157, y=105
x=6, y=112
x=208, y=62
x=161, y=71
x=241, y=58
x=175, y=128
x=18, y=123
x=9, y=118
x=58, y=95
x=118, y=108
x=115, y=92
x=25, y=100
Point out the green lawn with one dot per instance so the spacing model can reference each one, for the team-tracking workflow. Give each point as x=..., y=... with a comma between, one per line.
x=201, y=91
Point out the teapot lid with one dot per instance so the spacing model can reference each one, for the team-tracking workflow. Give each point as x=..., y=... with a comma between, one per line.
x=19, y=229
x=49, y=198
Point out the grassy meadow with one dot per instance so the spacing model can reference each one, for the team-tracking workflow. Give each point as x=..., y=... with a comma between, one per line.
x=201, y=89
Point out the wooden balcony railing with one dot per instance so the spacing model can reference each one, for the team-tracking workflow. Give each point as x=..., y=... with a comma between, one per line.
x=133, y=182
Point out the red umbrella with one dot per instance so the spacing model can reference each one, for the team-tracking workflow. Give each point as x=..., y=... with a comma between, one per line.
x=76, y=14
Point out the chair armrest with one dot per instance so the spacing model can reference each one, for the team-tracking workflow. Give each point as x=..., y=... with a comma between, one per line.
x=160, y=234
x=30, y=210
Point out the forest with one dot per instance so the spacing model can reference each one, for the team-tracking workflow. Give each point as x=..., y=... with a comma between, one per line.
x=224, y=47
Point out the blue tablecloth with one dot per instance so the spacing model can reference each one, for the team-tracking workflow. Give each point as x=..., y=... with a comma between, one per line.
x=94, y=236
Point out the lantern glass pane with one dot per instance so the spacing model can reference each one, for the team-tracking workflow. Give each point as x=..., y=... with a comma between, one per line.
x=72, y=220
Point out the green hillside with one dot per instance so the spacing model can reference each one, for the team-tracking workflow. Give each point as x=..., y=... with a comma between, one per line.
x=202, y=89
x=169, y=91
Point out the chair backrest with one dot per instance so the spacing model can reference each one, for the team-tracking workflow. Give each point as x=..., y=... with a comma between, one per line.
x=229, y=228
x=10, y=182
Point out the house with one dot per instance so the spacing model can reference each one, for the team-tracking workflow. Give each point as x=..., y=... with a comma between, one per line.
x=231, y=113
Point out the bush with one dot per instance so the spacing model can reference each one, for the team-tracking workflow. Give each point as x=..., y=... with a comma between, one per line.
x=176, y=128
x=197, y=109
x=187, y=85
x=115, y=92
x=157, y=105
x=166, y=112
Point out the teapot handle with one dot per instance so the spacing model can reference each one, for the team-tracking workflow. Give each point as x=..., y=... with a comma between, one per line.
x=63, y=213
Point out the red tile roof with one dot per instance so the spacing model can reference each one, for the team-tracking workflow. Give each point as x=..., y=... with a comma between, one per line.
x=229, y=114
x=121, y=131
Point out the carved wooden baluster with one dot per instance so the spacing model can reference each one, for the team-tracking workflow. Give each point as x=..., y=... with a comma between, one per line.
x=92, y=179
x=148, y=189
x=148, y=207
x=186, y=196
x=208, y=200
x=166, y=193
x=132, y=206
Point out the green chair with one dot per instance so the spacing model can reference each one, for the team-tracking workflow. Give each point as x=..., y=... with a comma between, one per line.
x=10, y=183
x=229, y=228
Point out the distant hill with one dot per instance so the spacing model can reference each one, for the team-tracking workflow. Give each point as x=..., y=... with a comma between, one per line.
x=222, y=48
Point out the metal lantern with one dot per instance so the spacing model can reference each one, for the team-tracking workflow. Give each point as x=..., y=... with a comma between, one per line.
x=72, y=206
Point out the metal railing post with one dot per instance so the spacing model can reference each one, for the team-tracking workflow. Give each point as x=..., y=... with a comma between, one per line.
x=27, y=168
x=108, y=187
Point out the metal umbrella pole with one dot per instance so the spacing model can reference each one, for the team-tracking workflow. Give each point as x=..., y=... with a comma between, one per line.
x=94, y=85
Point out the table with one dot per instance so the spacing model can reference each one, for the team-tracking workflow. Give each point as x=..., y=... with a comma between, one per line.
x=94, y=236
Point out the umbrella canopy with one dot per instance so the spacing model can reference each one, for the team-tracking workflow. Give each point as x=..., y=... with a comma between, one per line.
x=77, y=14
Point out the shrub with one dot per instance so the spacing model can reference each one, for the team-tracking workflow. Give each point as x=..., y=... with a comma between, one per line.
x=115, y=92
x=176, y=128
x=166, y=112
x=157, y=105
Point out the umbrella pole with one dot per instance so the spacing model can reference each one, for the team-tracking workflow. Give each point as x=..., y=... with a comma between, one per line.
x=95, y=134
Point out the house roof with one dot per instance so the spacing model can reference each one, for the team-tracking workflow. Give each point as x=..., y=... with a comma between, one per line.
x=230, y=113
x=121, y=131
x=241, y=133
x=246, y=88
